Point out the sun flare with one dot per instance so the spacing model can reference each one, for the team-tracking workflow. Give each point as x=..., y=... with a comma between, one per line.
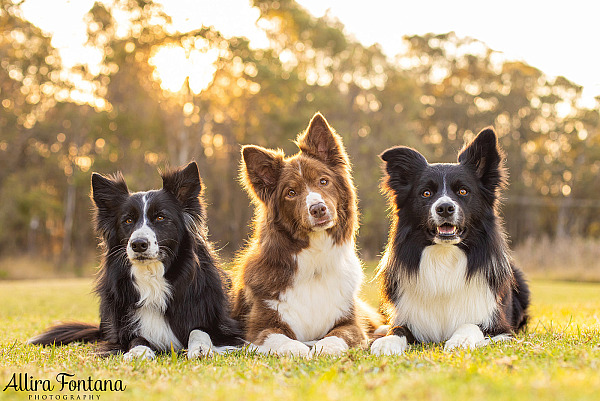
x=173, y=65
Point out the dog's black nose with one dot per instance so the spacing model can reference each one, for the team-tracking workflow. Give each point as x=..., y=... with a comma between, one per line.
x=445, y=209
x=139, y=245
x=318, y=210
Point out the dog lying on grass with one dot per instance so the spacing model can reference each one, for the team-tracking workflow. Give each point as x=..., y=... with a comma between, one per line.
x=447, y=273
x=299, y=277
x=159, y=285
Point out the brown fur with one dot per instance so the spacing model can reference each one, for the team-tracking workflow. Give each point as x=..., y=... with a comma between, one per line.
x=281, y=228
x=351, y=331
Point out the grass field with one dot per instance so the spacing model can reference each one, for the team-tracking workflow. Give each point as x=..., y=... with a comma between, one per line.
x=557, y=359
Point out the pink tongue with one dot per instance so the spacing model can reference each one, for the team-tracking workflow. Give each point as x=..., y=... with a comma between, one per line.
x=446, y=229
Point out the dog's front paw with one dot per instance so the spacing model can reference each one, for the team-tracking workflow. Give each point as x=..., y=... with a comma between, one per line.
x=199, y=345
x=282, y=345
x=467, y=336
x=329, y=346
x=202, y=351
x=389, y=345
x=139, y=352
x=293, y=348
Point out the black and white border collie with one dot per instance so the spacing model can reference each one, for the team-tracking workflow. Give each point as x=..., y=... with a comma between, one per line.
x=159, y=285
x=447, y=273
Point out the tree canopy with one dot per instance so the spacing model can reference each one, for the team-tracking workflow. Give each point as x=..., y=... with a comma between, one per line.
x=58, y=125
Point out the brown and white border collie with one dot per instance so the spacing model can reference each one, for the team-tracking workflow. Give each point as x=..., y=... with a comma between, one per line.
x=299, y=277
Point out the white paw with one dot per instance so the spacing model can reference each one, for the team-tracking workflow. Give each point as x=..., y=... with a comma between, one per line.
x=467, y=336
x=293, y=348
x=389, y=345
x=198, y=352
x=382, y=330
x=329, y=346
x=199, y=345
x=282, y=345
x=139, y=351
x=502, y=338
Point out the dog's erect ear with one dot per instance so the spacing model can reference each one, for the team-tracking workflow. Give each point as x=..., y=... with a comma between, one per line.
x=184, y=183
x=260, y=170
x=402, y=165
x=108, y=192
x=485, y=158
x=321, y=142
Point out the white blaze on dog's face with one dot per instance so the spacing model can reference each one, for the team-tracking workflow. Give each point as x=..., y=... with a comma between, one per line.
x=142, y=246
x=446, y=214
x=319, y=215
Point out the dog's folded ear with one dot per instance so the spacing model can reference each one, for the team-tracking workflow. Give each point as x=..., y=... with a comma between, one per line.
x=260, y=170
x=321, y=142
x=184, y=183
x=108, y=191
x=485, y=158
x=402, y=164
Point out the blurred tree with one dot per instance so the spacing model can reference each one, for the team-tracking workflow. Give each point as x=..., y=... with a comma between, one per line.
x=126, y=115
x=30, y=83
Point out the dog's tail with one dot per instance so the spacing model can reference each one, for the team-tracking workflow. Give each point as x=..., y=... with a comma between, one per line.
x=66, y=333
x=370, y=318
x=521, y=301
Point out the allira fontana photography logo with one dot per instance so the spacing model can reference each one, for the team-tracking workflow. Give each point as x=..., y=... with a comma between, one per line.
x=62, y=383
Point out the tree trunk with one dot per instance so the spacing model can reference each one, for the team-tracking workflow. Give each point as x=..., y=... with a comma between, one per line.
x=68, y=223
x=562, y=230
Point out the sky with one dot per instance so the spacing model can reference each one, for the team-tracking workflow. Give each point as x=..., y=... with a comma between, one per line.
x=557, y=37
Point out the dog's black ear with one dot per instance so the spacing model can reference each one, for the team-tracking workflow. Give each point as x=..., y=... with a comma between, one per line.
x=108, y=192
x=402, y=165
x=320, y=141
x=260, y=170
x=485, y=158
x=184, y=183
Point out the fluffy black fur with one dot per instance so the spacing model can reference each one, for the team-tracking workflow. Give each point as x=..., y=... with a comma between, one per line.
x=199, y=288
x=479, y=233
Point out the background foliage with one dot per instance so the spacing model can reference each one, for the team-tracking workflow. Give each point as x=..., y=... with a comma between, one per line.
x=57, y=125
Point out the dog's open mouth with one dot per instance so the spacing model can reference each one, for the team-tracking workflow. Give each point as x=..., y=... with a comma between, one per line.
x=448, y=232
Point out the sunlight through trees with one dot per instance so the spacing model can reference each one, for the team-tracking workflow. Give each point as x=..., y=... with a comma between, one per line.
x=159, y=96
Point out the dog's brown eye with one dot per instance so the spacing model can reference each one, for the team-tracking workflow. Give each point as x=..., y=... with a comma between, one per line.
x=426, y=194
x=129, y=221
x=462, y=192
x=324, y=181
x=160, y=218
x=291, y=193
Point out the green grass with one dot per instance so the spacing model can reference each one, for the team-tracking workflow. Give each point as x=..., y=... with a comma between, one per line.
x=557, y=359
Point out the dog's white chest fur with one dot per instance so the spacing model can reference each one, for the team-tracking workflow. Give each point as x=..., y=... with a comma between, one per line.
x=324, y=288
x=440, y=299
x=154, y=292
